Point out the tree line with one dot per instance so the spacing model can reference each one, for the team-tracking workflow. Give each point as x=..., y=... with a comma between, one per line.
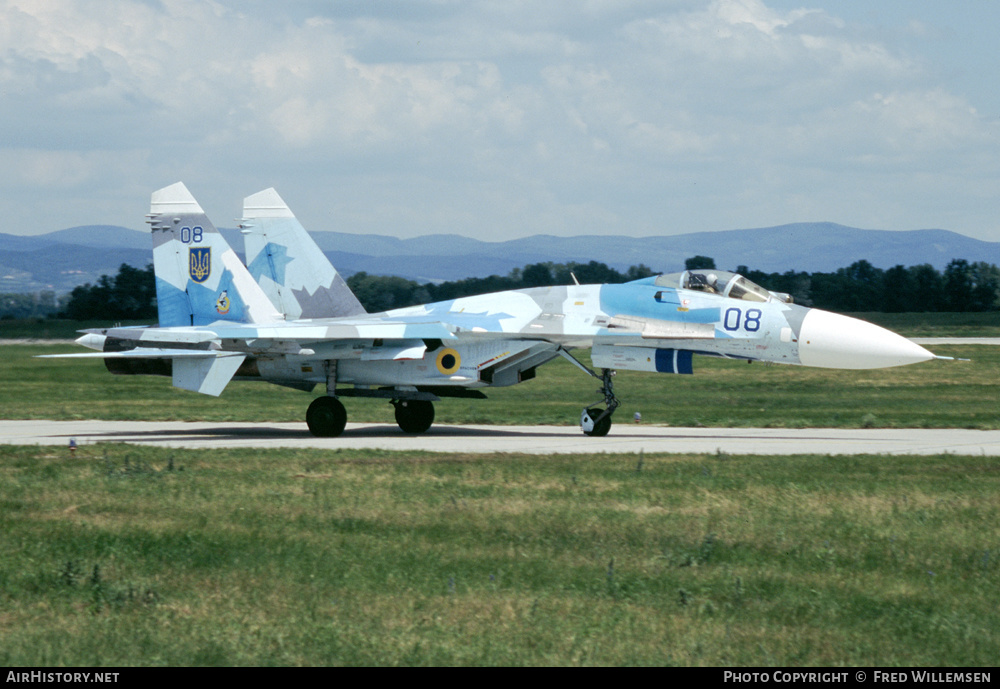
x=962, y=286
x=129, y=295
x=380, y=293
x=42, y=304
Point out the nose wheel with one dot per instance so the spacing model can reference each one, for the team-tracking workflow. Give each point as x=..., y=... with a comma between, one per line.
x=594, y=421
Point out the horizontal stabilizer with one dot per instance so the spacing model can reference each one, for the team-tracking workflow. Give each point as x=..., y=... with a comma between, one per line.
x=197, y=370
x=138, y=353
x=209, y=376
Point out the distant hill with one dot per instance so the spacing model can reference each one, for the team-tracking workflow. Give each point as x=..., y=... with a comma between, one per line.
x=810, y=247
x=101, y=236
x=67, y=258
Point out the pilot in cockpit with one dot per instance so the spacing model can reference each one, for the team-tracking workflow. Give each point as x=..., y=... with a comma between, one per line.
x=704, y=282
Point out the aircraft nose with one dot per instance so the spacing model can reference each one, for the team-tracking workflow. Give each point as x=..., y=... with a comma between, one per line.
x=829, y=340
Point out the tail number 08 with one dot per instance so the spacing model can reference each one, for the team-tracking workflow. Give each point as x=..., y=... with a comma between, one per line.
x=191, y=235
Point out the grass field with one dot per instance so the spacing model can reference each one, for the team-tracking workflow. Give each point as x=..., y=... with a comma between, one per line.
x=972, y=324
x=145, y=556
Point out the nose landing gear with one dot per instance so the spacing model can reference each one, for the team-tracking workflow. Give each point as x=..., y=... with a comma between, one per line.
x=594, y=421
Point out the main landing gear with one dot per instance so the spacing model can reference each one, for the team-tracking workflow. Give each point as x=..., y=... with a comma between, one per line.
x=327, y=417
x=414, y=416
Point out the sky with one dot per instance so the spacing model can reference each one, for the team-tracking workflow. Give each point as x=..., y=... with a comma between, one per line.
x=508, y=118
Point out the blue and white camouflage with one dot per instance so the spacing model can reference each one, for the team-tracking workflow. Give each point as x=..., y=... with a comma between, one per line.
x=290, y=319
x=288, y=265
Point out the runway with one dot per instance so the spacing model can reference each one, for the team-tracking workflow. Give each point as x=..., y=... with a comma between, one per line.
x=624, y=438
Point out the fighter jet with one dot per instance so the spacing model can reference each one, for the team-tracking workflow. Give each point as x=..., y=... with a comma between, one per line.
x=298, y=325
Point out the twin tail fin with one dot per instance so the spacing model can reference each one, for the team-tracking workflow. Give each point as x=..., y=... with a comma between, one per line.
x=288, y=264
x=199, y=278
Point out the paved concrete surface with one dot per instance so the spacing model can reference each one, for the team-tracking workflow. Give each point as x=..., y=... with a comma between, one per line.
x=525, y=439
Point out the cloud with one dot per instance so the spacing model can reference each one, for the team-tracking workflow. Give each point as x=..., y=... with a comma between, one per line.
x=480, y=117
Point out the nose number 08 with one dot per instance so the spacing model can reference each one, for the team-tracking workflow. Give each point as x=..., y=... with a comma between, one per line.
x=734, y=320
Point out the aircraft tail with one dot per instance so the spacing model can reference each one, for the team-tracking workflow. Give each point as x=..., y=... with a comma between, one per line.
x=199, y=278
x=289, y=266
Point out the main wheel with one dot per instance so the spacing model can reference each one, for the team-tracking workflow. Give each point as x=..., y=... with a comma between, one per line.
x=326, y=417
x=414, y=416
x=595, y=429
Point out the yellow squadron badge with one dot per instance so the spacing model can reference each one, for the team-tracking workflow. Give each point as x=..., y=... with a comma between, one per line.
x=222, y=304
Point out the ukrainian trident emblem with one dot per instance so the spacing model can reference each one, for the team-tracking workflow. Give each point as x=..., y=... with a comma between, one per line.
x=200, y=263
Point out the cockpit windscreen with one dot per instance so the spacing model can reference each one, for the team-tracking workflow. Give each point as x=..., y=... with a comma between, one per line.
x=720, y=282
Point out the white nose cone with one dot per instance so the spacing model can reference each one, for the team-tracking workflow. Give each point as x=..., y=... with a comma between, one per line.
x=829, y=340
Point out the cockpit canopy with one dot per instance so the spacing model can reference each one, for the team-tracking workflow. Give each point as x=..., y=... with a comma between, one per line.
x=720, y=282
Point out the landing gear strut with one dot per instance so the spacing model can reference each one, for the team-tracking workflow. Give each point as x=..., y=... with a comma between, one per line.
x=596, y=422
x=326, y=416
x=414, y=416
